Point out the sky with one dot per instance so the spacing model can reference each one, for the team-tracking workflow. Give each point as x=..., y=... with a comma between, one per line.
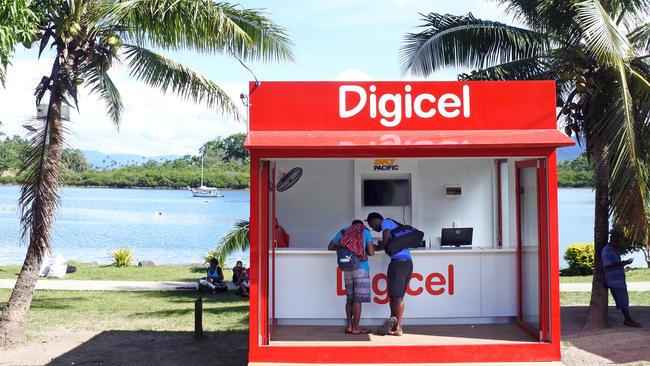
x=333, y=40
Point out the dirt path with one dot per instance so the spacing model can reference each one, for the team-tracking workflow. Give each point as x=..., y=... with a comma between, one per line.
x=67, y=347
x=617, y=345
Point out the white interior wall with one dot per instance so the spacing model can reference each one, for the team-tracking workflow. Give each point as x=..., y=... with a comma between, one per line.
x=321, y=202
x=473, y=209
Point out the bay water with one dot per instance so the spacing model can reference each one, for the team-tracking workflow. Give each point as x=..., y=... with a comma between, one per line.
x=172, y=227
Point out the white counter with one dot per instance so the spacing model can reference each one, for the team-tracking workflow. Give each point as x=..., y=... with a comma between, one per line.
x=474, y=285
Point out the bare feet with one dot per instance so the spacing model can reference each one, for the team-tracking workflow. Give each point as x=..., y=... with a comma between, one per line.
x=361, y=331
x=395, y=332
x=348, y=329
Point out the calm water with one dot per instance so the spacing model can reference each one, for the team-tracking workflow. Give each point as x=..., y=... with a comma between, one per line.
x=93, y=221
x=165, y=226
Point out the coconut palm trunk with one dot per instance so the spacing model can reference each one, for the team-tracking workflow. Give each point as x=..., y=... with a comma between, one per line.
x=597, y=316
x=39, y=201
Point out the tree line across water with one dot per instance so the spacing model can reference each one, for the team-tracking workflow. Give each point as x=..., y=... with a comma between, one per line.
x=225, y=161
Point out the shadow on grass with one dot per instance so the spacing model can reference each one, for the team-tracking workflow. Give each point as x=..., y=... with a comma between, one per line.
x=223, y=310
x=53, y=303
x=159, y=348
x=617, y=343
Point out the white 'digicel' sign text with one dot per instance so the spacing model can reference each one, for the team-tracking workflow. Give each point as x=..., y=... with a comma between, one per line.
x=392, y=107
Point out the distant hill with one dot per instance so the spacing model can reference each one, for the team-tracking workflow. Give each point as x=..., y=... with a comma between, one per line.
x=571, y=152
x=101, y=160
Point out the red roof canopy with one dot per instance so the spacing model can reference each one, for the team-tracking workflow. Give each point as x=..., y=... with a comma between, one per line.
x=336, y=115
x=412, y=139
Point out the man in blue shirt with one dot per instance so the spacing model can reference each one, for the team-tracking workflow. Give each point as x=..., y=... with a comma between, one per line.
x=614, y=269
x=398, y=275
x=357, y=282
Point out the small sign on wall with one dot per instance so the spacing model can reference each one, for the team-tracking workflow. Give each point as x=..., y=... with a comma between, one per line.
x=385, y=165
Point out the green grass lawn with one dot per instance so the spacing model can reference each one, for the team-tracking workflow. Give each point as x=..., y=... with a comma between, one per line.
x=169, y=310
x=637, y=298
x=632, y=275
x=146, y=311
x=108, y=272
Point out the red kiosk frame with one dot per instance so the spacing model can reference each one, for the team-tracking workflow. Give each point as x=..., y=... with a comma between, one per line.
x=336, y=120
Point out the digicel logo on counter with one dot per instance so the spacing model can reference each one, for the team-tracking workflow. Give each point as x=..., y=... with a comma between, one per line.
x=434, y=284
x=392, y=107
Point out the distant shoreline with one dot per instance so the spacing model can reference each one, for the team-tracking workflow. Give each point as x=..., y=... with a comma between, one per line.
x=137, y=187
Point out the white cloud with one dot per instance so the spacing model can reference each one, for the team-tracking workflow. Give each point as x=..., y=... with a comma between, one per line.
x=152, y=123
x=353, y=75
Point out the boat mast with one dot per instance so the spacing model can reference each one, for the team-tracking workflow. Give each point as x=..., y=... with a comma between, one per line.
x=202, y=155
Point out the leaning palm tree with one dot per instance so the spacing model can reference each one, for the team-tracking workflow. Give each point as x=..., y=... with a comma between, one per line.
x=597, y=52
x=238, y=239
x=90, y=36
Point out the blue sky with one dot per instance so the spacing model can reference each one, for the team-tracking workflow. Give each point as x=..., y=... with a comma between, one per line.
x=334, y=40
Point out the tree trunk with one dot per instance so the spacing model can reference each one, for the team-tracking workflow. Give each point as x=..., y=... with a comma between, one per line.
x=597, y=315
x=44, y=188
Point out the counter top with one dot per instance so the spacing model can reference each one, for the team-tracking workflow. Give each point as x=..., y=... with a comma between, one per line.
x=415, y=251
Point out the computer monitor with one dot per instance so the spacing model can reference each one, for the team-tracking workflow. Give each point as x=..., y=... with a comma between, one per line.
x=456, y=237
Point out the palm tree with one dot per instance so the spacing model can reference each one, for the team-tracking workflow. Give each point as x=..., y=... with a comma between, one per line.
x=597, y=52
x=88, y=37
x=238, y=239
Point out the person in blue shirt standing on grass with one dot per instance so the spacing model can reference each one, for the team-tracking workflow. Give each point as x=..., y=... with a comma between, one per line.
x=357, y=282
x=614, y=269
x=398, y=275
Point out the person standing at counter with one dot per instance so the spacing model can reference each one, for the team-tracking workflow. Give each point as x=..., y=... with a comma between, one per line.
x=357, y=239
x=398, y=275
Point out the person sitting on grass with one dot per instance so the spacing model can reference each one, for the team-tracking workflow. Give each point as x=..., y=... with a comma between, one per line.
x=614, y=269
x=237, y=272
x=245, y=283
x=214, y=281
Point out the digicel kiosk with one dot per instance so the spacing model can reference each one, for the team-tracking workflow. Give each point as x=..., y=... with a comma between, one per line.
x=436, y=155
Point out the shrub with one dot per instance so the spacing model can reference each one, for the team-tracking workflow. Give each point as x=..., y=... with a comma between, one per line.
x=211, y=254
x=580, y=257
x=122, y=257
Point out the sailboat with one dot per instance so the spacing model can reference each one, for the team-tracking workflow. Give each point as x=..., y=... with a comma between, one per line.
x=204, y=191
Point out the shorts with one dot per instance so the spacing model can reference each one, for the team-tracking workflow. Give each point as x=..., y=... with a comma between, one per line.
x=357, y=285
x=620, y=297
x=399, y=274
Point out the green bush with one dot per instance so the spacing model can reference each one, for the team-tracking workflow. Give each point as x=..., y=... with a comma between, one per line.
x=122, y=257
x=580, y=257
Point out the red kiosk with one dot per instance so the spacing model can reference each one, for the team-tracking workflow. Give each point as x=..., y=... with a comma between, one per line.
x=477, y=155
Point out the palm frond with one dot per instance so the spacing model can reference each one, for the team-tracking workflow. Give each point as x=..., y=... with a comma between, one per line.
x=39, y=196
x=552, y=17
x=640, y=37
x=451, y=40
x=618, y=126
x=204, y=26
x=532, y=68
x=602, y=36
x=101, y=84
x=163, y=73
x=237, y=239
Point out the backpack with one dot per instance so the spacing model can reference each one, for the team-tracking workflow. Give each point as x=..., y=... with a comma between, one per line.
x=347, y=259
x=402, y=237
